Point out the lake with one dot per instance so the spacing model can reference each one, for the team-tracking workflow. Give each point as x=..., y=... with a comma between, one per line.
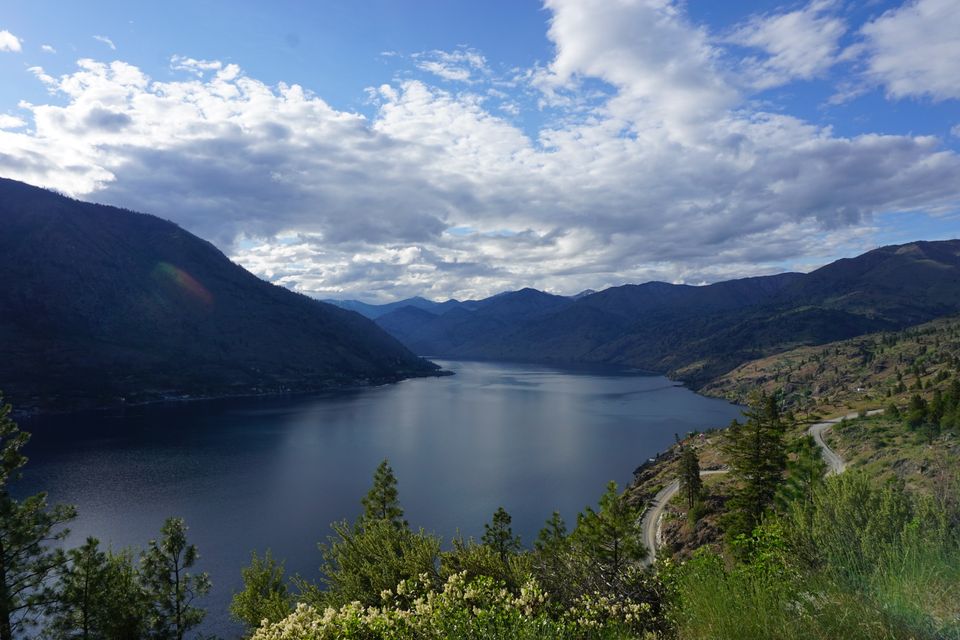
x=262, y=473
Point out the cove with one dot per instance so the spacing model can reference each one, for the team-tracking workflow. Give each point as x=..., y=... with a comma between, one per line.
x=258, y=473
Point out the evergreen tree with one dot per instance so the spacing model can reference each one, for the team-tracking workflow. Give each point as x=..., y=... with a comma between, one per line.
x=264, y=595
x=691, y=484
x=98, y=597
x=611, y=537
x=498, y=534
x=757, y=457
x=553, y=534
x=892, y=411
x=381, y=502
x=126, y=611
x=168, y=583
x=916, y=414
x=28, y=529
x=805, y=471
x=359, y=563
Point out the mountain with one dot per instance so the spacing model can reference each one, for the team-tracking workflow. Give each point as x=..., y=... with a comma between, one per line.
x=696, y=333
x=374, y=311
x=462, y=332
x=100, y=303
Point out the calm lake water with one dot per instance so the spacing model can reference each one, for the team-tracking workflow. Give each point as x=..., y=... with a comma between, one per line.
x=273, y=473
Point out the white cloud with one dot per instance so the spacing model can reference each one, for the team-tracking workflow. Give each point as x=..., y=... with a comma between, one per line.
x=196, y=67
x=955, y=131
x=461, y=65
x=107, y=41
x=914, y=50
x=668, y=172
x=11, y=122
x=46, y=48
x=9, y=42
x=800, y=44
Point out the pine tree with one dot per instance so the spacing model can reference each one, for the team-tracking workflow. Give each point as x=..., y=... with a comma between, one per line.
x=98, y=597
x=264, y=595
x=28, y=531
x=611, y=537
x=498, y=534
x=381, y=502
x=553, y=534
x=168, y=583
x=757, y=457
x=805, y=470
x=691, y=484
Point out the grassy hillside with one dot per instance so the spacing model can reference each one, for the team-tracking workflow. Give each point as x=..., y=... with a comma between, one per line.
x=868, y=371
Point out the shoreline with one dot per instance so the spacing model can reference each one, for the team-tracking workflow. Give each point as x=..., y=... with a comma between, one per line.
x=172, y=398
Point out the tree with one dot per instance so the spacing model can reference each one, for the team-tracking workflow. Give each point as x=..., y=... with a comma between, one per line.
x=611, y=537
x=498, y=534
x=691, y=484
x=170, y=587
x=28, y=529
x=98, y=597
x=757, y=457
x=381, y=502
x=805, y=471
x=553, y=534
x=359, y=563
x=264, y=595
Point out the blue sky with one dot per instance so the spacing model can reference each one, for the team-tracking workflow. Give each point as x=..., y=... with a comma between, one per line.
x=380, y=149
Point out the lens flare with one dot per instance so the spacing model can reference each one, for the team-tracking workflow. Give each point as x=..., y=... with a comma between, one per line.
x=184, y=281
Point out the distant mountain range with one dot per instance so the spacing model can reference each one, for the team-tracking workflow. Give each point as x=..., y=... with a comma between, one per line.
x=693, y=333
x=99, y=304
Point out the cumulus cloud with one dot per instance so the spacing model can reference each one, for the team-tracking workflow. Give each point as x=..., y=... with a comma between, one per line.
x=800, y=44
x=9, y=42
x=11, y=122
x=107, y=41
x=914, y=50
x=667, y=171
x=46, y=48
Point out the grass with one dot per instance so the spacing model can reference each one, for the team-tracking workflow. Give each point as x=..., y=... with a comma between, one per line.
x=858, y=561
x=862, y=372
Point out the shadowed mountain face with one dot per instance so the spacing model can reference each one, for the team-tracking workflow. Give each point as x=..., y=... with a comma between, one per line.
x=100, y=303
x=374, y=311
x=698, y=333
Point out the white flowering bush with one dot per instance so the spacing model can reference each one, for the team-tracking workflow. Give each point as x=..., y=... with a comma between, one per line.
x=463, y=608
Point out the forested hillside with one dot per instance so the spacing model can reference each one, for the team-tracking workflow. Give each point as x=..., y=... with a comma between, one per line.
x=697, y=334
x=101, y=305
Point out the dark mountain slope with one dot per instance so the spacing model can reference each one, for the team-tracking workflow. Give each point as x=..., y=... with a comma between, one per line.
x=374, y=311
x=463, y=332
x=99, y=303
x=698, y=333
x=908, y=283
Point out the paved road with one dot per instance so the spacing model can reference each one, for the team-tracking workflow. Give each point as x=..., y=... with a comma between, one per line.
x=835, y=464
x=651, y=520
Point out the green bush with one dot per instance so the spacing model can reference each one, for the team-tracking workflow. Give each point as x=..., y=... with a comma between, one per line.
x=854, y=561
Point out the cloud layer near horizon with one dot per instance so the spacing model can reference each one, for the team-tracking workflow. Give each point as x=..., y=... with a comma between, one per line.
x=669, y=172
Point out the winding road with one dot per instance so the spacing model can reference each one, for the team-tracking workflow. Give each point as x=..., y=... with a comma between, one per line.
x=835, y=464
x=651, y=520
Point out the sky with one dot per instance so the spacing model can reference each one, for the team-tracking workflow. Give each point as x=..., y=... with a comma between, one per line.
x=447, y=148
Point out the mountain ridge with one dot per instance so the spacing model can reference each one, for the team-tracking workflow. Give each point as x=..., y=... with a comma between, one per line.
x=696, y=333
x=103, y=305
